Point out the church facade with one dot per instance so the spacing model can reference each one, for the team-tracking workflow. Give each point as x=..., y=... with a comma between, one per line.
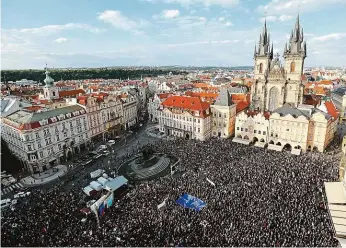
x=276, y=84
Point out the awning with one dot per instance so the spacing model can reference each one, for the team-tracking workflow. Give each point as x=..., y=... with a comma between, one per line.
x=336, y=198
x=241, y=141
x=275, y=147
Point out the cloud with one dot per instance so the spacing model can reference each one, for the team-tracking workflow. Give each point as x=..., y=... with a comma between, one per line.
x=292, y=6
x=221, y=19
x=48, y=29
x=228, y=24
x=268, y=18
x=334, y=36
x=200, y=43
x=284, y=18
x=60, y=40
x=119, y=21
x=207, y=3
x=171, y=13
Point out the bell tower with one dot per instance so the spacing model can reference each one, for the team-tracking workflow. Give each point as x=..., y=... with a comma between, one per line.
x=49, y=90
x=263, y=56
x=295, y=54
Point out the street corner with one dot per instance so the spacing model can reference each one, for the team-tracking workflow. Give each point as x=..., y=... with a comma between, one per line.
x=45, y=177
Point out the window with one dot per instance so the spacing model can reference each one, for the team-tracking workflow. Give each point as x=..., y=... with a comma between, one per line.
x=59, y=145
x=32, y=157
x=287, y=130
x=39, y=144
x=29, y=148
x=261, y=68
x=41, y=154
x=199, y=130
x=271, y=134
x=264, y=133
x=242, y=129
x=238, y=128
x=259, y=132
x=37, y=135
x=199, y=121
x=254, y=131
x=293, y=65
x=26, y=137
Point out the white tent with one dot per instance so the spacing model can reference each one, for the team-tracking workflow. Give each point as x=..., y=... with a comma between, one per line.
x=96, y=185
x=102, y=180
x=87, y=190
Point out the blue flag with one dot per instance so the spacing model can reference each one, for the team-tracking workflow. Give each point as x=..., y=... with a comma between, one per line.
x=189, y=201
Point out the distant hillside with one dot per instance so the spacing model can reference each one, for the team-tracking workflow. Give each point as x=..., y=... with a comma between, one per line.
x=87, y=73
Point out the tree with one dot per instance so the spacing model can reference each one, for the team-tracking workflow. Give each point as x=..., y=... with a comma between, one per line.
x=80, y=74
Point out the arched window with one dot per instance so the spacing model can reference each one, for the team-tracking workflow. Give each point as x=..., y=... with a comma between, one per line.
x=261, y=68
x=293, y=65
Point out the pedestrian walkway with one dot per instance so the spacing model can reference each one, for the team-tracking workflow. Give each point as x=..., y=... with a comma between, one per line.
x=11, y=188
x=42, y=178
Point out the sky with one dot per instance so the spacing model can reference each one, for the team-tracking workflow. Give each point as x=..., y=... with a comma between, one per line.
x=99, y=33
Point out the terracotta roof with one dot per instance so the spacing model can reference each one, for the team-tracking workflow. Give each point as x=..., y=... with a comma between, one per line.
x=241, y=106
x=201, y=85
x=67, y=93
x=208, y=95
x=255, y=112
x=164, y=95
x=185, y=102
x=331, y=109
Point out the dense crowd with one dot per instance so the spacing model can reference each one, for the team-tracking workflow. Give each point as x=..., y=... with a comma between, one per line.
x=260, y=198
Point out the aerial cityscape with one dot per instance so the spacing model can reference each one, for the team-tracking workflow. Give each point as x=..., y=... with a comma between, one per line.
x=173, y=123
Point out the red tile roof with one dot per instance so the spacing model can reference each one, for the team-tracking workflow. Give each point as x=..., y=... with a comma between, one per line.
x=241, y=106
x=331, y=109
x=184, y=102
x=67, y=93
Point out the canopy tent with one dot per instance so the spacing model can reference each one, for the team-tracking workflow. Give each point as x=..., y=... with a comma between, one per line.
x=88, y=190
x=96, y=185
x=115, y=184
x=102, y=180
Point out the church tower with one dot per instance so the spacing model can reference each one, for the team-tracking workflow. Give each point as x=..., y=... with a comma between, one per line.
x=295, y=54
x=49, y=90
x=263, y=56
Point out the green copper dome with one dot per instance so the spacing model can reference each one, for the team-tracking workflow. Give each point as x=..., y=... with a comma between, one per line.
x=48, y=80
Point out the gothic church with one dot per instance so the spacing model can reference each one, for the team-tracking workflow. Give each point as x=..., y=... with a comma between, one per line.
x=275, y=84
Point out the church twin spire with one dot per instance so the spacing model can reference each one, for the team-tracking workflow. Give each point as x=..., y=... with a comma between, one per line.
x=264, y=48
x=296, y=44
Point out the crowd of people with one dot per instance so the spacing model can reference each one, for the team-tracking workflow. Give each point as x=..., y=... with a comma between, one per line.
x=260, y=198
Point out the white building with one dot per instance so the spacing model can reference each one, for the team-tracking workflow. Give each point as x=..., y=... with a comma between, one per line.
x=297, y=129
x=130, y=110
x=187, y=117
x=154, y=105
x=253, y=127
x=43, y=138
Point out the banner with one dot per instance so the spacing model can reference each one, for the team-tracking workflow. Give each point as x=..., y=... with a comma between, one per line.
x=189, y=201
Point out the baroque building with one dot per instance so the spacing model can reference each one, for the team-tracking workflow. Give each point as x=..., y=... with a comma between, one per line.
x=276, y=84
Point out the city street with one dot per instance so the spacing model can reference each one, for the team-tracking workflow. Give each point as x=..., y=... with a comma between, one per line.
x=127, y=144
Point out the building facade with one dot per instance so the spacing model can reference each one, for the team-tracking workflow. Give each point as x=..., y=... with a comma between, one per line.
x=277, y=84
x=223, y=115
x=186, y=117
x=299, y=129
x=339, y=99
x=43, y=138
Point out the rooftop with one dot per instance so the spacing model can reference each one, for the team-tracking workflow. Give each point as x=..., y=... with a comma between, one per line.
x=185, y=102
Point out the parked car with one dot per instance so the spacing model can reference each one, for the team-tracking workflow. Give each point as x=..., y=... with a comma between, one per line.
x=5, y=203
x=111, y=142
x=14, y=202
x=106, y=153
x=22, y=194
